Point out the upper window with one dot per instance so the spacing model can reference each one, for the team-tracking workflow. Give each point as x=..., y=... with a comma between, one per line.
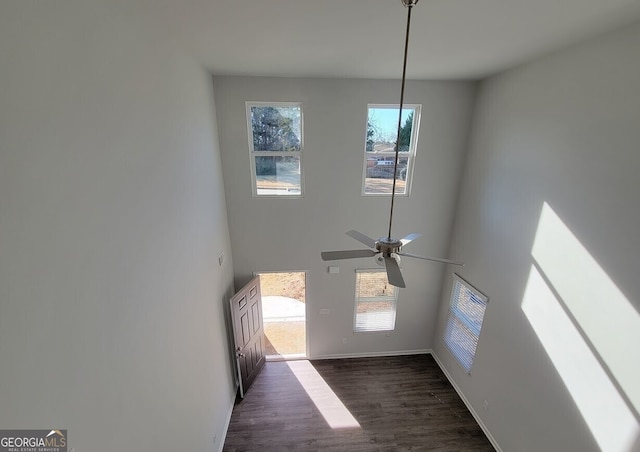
x=375, y=302
x=379, y=152
x=466, y=313
x=275, y=143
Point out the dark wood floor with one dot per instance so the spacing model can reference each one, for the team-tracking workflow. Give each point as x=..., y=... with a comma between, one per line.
x=402, y=403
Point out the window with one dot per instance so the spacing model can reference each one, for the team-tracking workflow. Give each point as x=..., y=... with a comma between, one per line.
x=379, y=152
x=466, y=312
x=275, y=144
x=375, y=302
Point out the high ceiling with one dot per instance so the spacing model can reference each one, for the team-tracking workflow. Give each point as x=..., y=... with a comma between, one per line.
x=450, y=39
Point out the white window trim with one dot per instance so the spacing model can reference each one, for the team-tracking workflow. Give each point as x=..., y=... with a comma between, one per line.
x=357, y=300
x=454, y=313
x=413, y=150
x=253, y=154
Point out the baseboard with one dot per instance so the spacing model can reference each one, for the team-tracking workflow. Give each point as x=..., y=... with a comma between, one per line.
x=484, y=428
x=373, y=354
x=227, y=421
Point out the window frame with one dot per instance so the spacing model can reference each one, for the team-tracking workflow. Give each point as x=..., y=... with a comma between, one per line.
x=410, y=155
x=253, y=153
x=469, y=330
x=393, y=299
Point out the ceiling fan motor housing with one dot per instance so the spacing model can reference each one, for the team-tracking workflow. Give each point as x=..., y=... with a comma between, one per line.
x=388, y=245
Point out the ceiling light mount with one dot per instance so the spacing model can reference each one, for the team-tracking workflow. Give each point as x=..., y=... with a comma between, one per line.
x=409, y=3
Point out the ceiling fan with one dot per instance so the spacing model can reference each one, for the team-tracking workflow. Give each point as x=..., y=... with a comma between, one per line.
x=387, y=250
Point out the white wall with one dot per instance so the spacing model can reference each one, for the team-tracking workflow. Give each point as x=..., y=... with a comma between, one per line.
x=289, y=234
x=558, y=135
x=112, y=215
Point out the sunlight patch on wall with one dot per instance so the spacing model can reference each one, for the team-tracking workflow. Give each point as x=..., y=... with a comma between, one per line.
x=606, y=317
x=332, y=409
x=583, y=320
x=606, y=413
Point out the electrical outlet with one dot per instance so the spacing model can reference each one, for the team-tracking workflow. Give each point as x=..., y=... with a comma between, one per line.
x=221, y=258
x=345, y=340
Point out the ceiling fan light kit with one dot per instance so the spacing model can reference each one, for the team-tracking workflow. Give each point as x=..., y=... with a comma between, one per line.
x=387, y=250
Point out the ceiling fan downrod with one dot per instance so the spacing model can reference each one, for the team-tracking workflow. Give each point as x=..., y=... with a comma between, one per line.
x=387, y=250
x=409, y=4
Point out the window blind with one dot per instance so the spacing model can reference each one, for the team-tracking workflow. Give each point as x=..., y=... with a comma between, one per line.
x=376, y=299
x=466, y=313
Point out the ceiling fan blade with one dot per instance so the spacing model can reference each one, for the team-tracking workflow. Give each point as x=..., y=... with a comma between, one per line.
x=360, y=237
x=394, y=275
x=346, y=254
x=410, y=238
x=434, y=259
